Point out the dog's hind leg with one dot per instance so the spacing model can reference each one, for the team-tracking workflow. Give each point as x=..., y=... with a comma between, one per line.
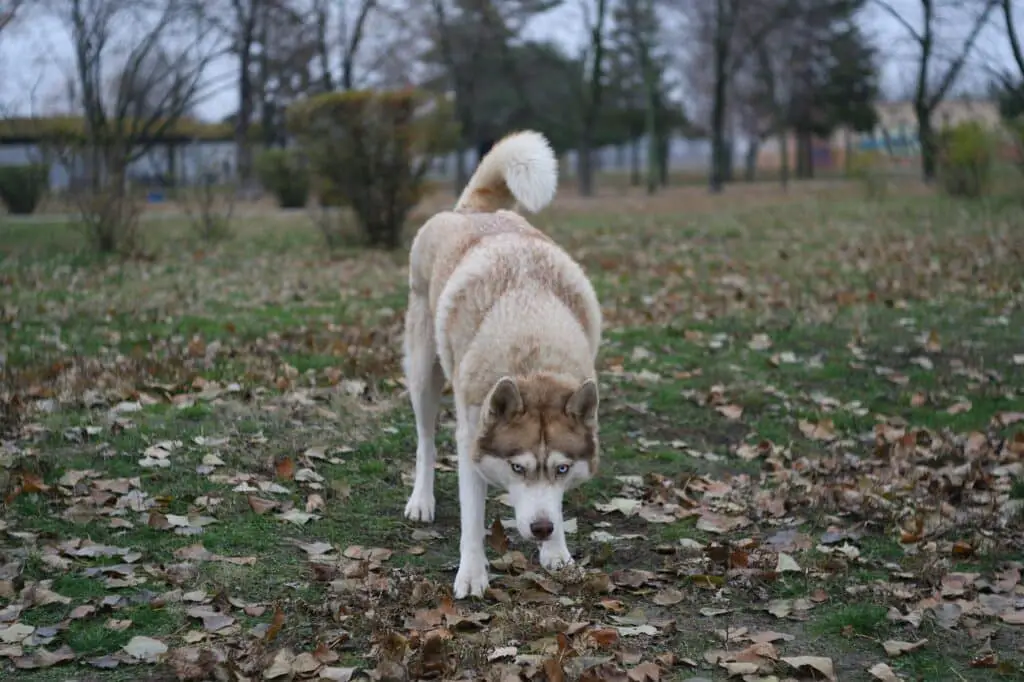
x=425, y=380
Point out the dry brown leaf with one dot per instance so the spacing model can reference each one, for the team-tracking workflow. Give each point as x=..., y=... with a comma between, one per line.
x=820, y=664
x=284, y=468
x=645, y=672
x=276, y=623
x=497, y=540
x=894, y=647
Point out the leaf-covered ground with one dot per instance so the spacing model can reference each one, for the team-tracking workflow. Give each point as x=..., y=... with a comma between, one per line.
x=813, y=432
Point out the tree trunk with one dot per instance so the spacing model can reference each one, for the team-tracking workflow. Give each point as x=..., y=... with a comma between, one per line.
x=634, y=171
x=584, y=167
x=803, y=154
x=461, y=173
x=243, y=117
x=784, y=158
x=663, y=153
x=847, y=152
x=750, y=164
x=926, y=138
x=721, y=50
x=727, y=159
x=651, y=126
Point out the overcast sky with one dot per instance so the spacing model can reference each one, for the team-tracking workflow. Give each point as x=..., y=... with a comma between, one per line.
x=36, y=55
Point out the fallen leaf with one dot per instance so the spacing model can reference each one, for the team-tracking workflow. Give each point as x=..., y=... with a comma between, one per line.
x=732, y=412
x=145, y=649
x=497, y=540
x=284, y=468
x=881, y=671
x=818, y=663
x=667, y=597
x=894, y=647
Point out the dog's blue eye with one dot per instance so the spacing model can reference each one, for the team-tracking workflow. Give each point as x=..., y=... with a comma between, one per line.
x=518, y=468
x=562, y=469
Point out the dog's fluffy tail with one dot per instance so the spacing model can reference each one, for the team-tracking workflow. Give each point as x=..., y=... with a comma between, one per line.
x=520, y=169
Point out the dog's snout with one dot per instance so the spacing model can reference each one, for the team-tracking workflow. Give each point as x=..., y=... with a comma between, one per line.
x=542, y=529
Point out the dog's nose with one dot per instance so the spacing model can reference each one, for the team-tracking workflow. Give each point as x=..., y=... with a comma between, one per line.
x=542, y=529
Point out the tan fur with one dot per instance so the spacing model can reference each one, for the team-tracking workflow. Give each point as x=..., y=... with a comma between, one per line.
x=521, y=308
x=542, y=426
x=492, y=298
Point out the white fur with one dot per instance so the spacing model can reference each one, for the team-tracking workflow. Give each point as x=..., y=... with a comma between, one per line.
x=472, y=578
x=535, y=496
x=491, y=296
x=525, y=163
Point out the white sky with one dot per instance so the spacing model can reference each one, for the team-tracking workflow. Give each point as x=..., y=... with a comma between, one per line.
x=36, y=56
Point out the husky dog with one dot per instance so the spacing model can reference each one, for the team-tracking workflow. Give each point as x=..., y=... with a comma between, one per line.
x=514, y=324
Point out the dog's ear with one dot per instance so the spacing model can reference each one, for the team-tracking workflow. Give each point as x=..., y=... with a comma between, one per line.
x=503, y=402
x=582, y=404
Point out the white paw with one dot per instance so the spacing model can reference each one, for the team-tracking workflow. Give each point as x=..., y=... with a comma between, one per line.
x=472, y=579
x=420, y=507
x=553, y=558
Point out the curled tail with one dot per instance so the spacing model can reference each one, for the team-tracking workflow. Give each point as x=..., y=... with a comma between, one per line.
x=520, y=169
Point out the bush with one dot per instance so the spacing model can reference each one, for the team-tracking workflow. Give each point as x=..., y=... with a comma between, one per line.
x=283, y=173
x=869, y=169
x=23, y=187
x=110, y=218
x=208, y=206
x=965, y=159
x=370, y=151
x=1016, y=129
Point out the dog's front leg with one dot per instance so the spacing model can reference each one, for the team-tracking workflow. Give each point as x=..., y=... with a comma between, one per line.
x=472, y=578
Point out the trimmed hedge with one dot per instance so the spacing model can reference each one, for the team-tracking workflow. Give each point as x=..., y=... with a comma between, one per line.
x=23, y=187
x=282, y=172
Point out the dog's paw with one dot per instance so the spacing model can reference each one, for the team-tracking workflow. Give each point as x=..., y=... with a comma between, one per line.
x=472, y=579
x=553, y=558
x=420, y=508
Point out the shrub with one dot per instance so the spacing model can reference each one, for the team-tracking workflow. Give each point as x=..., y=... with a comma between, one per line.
x=1015, y=127
x=208, y=206
x=283, y=173
x=371, y=151
x=965, y=159
x=868, y=168
x=110, y=217
x=23, y=187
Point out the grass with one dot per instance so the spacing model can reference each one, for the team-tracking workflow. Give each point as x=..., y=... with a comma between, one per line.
x=758, y=343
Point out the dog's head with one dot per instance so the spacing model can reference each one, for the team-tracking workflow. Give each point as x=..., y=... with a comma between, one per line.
x=538, y=438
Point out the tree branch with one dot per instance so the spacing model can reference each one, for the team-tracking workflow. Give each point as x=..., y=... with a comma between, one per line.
x=1011, y=34
x=892, y=12
x=958, y=64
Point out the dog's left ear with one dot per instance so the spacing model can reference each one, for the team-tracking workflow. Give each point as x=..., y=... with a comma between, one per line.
x=582, y=404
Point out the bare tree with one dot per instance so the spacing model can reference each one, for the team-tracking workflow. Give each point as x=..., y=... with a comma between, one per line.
x=237, y=20
x=165, y=50
x=727, y=33
x=1011, y=34
x=351, y=18
x=592, y=62
x=759, y=97
x=935, y=81
x=638, y=20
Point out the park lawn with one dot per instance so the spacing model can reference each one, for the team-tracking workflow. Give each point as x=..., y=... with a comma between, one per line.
x=812, y=426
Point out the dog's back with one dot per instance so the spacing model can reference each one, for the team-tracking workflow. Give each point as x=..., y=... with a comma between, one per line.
x=504, y=297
